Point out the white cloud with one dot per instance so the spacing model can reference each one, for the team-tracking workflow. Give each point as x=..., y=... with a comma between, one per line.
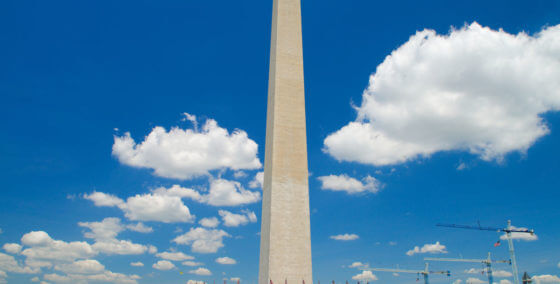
x=520, y=236
x=163, y=265
x=87, y=266
x=502, y=273
x=225, y=260
x=458, y=281
x=120, y=247
x=195, y=282
x=140, y=228
x=258, y=181
x=137, y=264
x=349, y=185
x=345, y=237
x=476, y=90
x=106, y=277
x=147, y=207
x=201, y=271
x=229, y=193
x=239, y=174
x=235, y=220
x=428, y=248
x=357, y=264
x=191, y=263
x=184, y=154
x=152, y=249
x=12, y=248
x=107, y=229
x=366, y=275
x=474, y=281
x=209, y=222
x=175, y=256
x=105, y=232
x=235, y=279
x=101, y=199
x=202, y=240
x=9, y=263
x=504, y=281
x=547, y=278
x=43, y=247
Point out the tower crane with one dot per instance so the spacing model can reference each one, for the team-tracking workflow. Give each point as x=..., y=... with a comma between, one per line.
x=424, y=272
x=488, y=262
x=508, y=230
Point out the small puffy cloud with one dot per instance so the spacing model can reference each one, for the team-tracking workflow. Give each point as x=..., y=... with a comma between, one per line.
x=476, y=89
x=105, y=232
x=472, y=280
x=105, y=277
x=120, y=247
x=502, y=273
x=163, y=265
x=202, y=240
x=229, y=193
x=225, y=260
x=349, y=185
x=101, y=199
x=140, y=228
x=137, y=264
x=166, y=208
x=458, y=281
x=209, y=222
x=428, y=248
x=87, y=266
x=239, y=174
x=235, y=220
x=9, y=264
x=520, y=236
x=366, y=275
x=345, y=237
x=107, y=229
x=191, y=263
x=357, y=264
x=12, y=248
x=235, y=279
x=258, y=181
x=195, y=282
x=152, y=249
x=184, y=154
x=201, y=271
x=504, y=281
x=175, y=256
x=546, y=278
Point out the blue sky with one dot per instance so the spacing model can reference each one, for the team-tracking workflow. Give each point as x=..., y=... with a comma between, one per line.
x=77, y=76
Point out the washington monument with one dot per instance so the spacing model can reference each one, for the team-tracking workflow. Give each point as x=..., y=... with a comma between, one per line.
x=285, y=254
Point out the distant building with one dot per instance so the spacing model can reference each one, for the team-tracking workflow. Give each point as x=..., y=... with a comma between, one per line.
x=527, y=279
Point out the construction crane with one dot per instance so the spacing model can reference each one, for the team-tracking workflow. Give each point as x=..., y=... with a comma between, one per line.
x=508, y=230
x=488, y=262
x=424, y=272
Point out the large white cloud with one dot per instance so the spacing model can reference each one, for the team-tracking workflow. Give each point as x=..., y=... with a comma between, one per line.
x=202, y=240
x=163, y=265
x=349, y=184
x=184, y=154
x=428, y=248
x=104, y=277
x=476, y=89
x=86, y=266
x=12, y=248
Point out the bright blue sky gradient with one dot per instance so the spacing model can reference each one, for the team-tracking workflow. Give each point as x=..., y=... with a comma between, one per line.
x=72, y=71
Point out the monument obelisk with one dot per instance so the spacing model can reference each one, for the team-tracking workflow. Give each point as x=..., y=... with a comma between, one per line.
x=285, y=231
